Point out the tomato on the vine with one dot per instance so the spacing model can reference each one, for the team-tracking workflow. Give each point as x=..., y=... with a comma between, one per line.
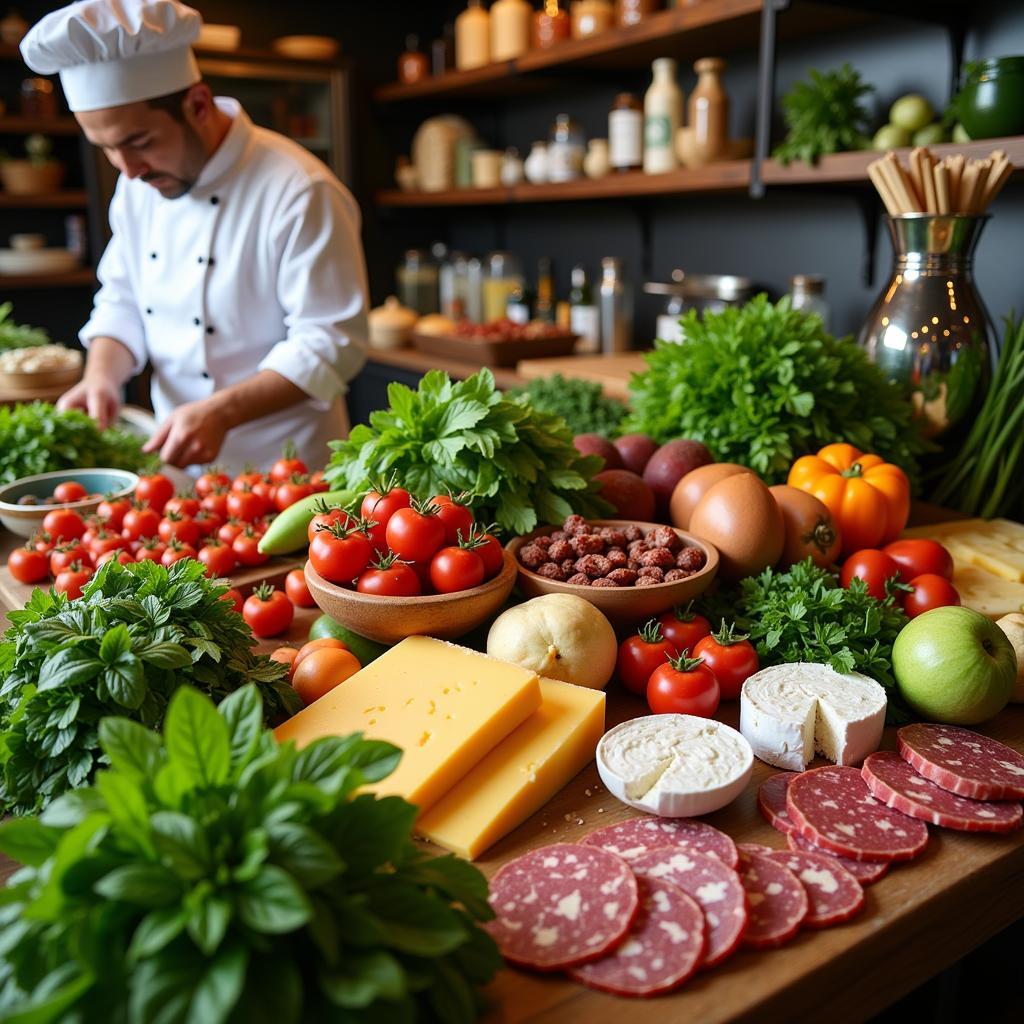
x=246, y=505
x=383, y=501
x=246, y=547
x=155, y=491
x=491, y=553
x=178, y=527
x=267, y=611
x=920, y=557
x=339, y=554
x=64, y=523
x=730, y=656
x=212, y=480
x=42, y=541
x=456, y=516
x=28, y=564
x=140, y=521
x=175, y=552
x=185, y=505
x=289, y=491
x=325, y=515
x=68, y=491
x=874, y=567
x=389, y=577
x=62, y=556
x=455, y=568
x=683, y=686
x=71, y=580
x=415, y=533
x=287, y=466
x=683, y=627
x=928, y=591
x=297, y=591
x=151, y=550
x=641, y=654
x=217, y=556
x=112, y=511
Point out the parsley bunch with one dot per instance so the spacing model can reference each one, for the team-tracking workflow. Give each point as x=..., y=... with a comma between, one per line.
x=138, y=632
x=581, y=403
x=212, y=875
x=14, y=335
x=517, y=464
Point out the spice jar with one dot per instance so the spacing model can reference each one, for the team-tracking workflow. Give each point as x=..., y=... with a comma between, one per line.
x=565, y=150
x=417, y=282
x=591, y=17
x=632, y=12
x=551, y=24
x=472, y=37
x=626, y=133
x=510, y=29
x=413, y=65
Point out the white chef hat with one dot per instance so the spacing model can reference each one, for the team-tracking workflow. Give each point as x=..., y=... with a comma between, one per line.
x=112, y=52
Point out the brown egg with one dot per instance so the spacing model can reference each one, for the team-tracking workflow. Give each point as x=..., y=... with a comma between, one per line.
x=692, y=487
x=810, y=529
x=741, y=518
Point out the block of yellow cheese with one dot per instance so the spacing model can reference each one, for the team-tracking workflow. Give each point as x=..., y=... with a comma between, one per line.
x=445, y=706
x=521, y=773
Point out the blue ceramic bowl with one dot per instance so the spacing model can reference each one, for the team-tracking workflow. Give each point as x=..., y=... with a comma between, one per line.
x=25, y=520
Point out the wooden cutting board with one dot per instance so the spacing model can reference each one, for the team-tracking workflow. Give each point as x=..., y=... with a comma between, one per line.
x=611, y=372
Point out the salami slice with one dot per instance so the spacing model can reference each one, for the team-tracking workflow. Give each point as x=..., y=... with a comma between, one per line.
x=834, y=809
x=834, y=894
x=777, y=902
x=714, y=885
x=562, y=905
x=897, y=784
x=964, y=762
x=635, y=836
x=754, y=848
x=771, y=799
x=664, y=947
x=866, y=872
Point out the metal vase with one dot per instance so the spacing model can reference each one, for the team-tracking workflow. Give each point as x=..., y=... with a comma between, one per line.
x=929, y=331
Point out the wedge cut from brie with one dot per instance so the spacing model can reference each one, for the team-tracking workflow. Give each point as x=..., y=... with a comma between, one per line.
x=676, y=766
x=790, y=712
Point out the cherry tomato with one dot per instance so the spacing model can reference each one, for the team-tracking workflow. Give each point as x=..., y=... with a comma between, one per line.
x=42, y=541
x=208, y=522
x=140, y=521
x=64, y=523
x=339, y=554
x=325, y=516
x=490, y=551
x=216, y=501
x=322, y=671
x=319, y=483
x=70, y=490
x=683, y=686
x=246, y=505
x=65, y=554
x=72, y=580
x=28, y=565
x=112, y=511
x=234, y=598
x=919, y=558
x=641, y=654
x=105, y=541
x=246, y=481
x=185, y=505
x=683, y=627
x=155, y=491
x=212, y=480
x=175, y=552
x=267, y=491
x=389, y=577
x=928, y=591
x=456, y=568
x=457, y=518
x=183, y=528
x=415, y=533
x=267, y=611
x=286, y=656
x=294, y=489
x=230, y=530
x=151, y=550
x=730, y=656
x=297, y=591
x=246, y=548
x=380, y=504
x=118, y=554
x=217, y=556
x=318, y=645
x=874, y=567
x=287, y=466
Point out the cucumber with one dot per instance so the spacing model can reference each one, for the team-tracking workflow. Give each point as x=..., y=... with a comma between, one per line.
x=287, y=532
x=365, y=650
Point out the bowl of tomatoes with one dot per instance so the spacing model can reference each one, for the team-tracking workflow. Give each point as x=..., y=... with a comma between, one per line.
x=25, y=503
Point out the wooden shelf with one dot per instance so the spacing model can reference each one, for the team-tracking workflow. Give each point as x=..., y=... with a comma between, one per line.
x=16, y=125
x=66, y=199
x=81, y=278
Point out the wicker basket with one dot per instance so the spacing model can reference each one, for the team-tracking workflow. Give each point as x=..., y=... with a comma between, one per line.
x=25, y=178
x=433, y=151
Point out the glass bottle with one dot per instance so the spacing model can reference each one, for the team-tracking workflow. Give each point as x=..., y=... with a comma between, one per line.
x=417, y=282
x=626, y=133
x=551, y=25
x=565, y=150
x=616, y=308
x=412, y=64
x=663, y=114
x=807, y=292
x=472, y=37
x=519, y=307
x=544, y=309
x=709, y=111
x=502, y=276
x=591, y=17
x=442, y=51
x=510, y=29
x=632, y=12
x=583, y=315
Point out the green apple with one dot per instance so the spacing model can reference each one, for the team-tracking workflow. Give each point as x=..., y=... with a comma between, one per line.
x=890, y=136
x=911, y=112
x=930, y=135
x=954, y=665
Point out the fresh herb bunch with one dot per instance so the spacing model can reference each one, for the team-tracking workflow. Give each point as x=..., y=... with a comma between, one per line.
x=14, y=335
x=763, y=384
x=581, y=403
x=824, y=115
x=803, y=614
x=36, y=438
x=137, y=634
x=517, y=464
x=213, y=875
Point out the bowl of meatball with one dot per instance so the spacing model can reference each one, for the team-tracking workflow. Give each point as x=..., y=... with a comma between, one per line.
x=630, y=571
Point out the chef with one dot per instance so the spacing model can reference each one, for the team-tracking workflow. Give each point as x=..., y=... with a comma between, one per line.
x=235, y=266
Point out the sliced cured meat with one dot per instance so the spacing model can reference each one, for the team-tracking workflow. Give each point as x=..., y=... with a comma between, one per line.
x=714, y=885
x=834, y=809
x=834, y=894
x=663, y=948
x=897, y=784
x=777, y=902
x=754, y=848
x=964, y=762
x=635, y=836
x=771, y=799
x=866, y=872
x=562, y=905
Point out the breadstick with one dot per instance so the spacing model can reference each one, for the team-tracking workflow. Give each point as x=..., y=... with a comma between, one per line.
x=917, y=170
x=928, y=177
x=968, y=184
x=901, y=185
x=878, y=179
x=956, y=172
x=997, y=176
x=942, y=187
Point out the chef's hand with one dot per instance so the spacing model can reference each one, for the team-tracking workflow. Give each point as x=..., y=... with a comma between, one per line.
x=192, y=434
x=98, y=397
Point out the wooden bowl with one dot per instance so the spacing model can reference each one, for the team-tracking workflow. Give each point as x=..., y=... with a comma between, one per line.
x=391, y=619
x=25, y=520
x=623, y=606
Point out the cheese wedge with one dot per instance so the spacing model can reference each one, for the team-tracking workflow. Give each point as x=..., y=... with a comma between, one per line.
x=789, y=712
x=446, y=706
x=988, y=594
x=521, y=774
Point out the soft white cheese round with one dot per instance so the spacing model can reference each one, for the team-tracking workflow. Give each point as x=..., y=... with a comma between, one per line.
x=676, y=766
x=789, y=712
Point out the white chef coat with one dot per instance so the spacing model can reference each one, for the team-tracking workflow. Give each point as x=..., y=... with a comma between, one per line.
x=258, y=267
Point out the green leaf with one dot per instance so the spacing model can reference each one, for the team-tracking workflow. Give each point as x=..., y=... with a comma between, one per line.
x=273, y=992
x=197, y=738
x=243, y=713
x=272, y=902
x=361, y=979
x=303, y=853
x=142, y=884
x=181, y=844
x=133, y=750
x=125, y=681
x=72, y=808
x=373, y=832
x=155, y=931
x=413, y=921
x=54, y=997
x=456, y=879
x=208, y=923
x=66, y=668
x=450, y=996
x=115, y=642
x=28, y=841
x=125, y=803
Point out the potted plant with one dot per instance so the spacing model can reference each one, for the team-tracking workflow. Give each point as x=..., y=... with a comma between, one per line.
x=37, y=173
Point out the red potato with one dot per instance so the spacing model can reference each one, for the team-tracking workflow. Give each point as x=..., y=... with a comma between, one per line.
x=669, y=464
x=632, y=498
x=596, y=444
x=635, y=450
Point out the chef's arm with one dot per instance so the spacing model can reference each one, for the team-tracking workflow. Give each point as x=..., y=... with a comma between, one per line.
x=108, y=366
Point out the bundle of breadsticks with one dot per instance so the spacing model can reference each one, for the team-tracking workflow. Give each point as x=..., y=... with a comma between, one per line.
x=951, y=185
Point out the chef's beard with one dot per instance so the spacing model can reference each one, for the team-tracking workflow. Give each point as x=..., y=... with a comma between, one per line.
x=179, y=185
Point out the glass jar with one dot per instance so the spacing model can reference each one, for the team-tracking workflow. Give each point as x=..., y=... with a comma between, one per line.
x=565, y=150
x=702, y=292
x=626, y=133
x=417, y=282
x=551, y=24
x=413, y=65
x=807, y=292
x=456, y=285
x=502, y=276
x=632, y=12
x=591, y=17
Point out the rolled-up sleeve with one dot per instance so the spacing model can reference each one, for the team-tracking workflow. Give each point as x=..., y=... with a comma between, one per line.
x=321, y=286
x=115, y=312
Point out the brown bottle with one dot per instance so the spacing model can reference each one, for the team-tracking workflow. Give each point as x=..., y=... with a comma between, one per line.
x=413, y=65
x=709, y=111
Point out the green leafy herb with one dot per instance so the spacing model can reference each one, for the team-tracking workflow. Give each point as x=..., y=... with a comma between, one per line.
x=517, y=464
x=36, y=438
x=138, y=633
x=824, y=115
x=14, y=335
x=803, y=614
x=581, y=403
x=763, y=384
x=214, y=875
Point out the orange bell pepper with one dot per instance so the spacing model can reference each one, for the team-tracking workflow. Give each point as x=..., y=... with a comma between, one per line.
x=868, y=497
